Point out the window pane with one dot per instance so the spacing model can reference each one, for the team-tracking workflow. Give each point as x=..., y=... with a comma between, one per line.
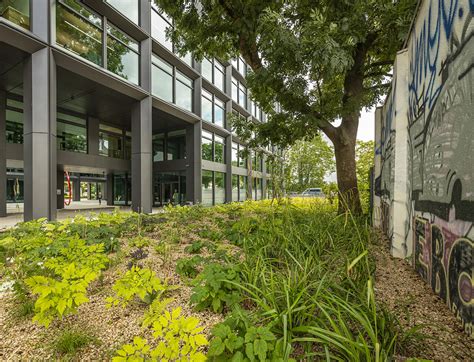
x=79, y=36
x=242, y=96
x=14, y=126
x=162, y=84
x=158, y=29
x=121, y=60
x=219, y=149
x=235, y=91
x=129, y=8
x=71, y=137
x=110, y=145
x=242, y=188
x=17, y=11
x=219, y=115
x=206, y=69
x=158, y=147
x=206, y=109
x=184, y=96
x=176, y=146
x=206, y=148
x=235, y=154
x=219, y=189
x=207, y=186
x=235, y=188
x=219, y=77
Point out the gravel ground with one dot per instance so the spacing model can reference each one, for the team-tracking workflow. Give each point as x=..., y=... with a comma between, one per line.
x=406, y=294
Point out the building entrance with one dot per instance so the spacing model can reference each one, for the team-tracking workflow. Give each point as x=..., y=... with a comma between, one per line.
x=169, y=188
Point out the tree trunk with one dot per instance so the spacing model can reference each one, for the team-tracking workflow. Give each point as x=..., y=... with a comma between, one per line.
x=349, y=199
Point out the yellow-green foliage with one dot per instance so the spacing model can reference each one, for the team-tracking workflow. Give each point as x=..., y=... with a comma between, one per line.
x=137, y=282
x=178, y=339
x=60, y=297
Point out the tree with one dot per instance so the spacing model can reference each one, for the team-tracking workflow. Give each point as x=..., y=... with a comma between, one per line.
x=365, y=160
x=308, y=163
x=319, y=59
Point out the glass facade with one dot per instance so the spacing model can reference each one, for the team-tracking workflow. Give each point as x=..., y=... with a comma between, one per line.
x=14, y=121
x=122, y=189
x=219, y=149
x=235, y=187
x=129, y=8
x=240, y=65
x=123, y=55
x=176, y=145
x=17, y=11
x=257, y=188
x=112, y=141
x=214, y=72
x=213, y=187
x=165, y=77
x=239, y=93
x=238, y=159
x=71, y=133
x=158, y=147
x=219, y=188
x=243, y=186
x=213, y=147
x=212, y=108
x=15, y=185
x=79, y=30
x=160, y=22
x=207, y=148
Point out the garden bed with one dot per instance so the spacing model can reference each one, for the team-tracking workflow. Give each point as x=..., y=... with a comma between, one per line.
x=264, y=280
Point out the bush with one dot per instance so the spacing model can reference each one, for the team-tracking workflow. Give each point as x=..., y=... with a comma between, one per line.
x=70, y=341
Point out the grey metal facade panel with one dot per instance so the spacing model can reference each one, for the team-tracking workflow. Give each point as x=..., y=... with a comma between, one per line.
x=20, y=38
x=174, y=110
x=82, y=162
x=214, y=166
x=3, y=160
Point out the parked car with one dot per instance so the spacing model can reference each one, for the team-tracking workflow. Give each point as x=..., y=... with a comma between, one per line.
x=313, y=192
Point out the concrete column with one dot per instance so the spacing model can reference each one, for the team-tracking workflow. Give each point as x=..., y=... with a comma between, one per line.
x=60, y=190
x=228, y=82
x=142, y=163
x=264, y=176
x=92, y=136
x=228, y=177
x=197, y=95
x=145, y=15
x=76, y=185
x=401, y=243
x=39, y=87
x=376, y=214
x=3, y=160
x=40, y=14
x=193, y=163
x=110, y=189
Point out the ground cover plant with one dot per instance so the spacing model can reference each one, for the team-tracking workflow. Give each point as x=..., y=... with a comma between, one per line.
x=271, y=280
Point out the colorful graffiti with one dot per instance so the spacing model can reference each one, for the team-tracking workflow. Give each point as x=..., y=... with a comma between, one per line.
x=443, y=256
x=439, y=172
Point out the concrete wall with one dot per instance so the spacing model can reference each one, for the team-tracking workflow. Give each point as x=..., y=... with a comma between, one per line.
x=424, y=161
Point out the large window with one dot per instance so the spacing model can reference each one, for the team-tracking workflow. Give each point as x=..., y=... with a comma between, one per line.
x=71, y=133
x=79, y=30
x=243, y=186
x=257, y=161
x=112, y=141
x=129, y=8
x=158, y=147
x=213, y=147
x=238, y=159
x=239, y=93
x=123, y=57
x=235, y=187
x=164, y=80
x=214, y=72
x=256, y=111
x=240, y=66
x=14, y=121
x=213, y=187
x=17, y=11
x=176, y=145
x=257, y=188
x=213, y=109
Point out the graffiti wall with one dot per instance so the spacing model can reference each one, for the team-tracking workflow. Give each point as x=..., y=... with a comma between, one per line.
x=438, y=172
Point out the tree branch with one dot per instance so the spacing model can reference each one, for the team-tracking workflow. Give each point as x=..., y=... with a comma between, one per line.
x=378, y=86
x=379, y=64
x=377, y=74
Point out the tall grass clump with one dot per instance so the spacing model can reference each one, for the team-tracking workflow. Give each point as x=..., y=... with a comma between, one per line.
x=307, y=273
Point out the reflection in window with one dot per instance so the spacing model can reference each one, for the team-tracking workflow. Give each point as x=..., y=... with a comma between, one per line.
x=14, y=121
x=129, y=8
x=79, y=30
x=243, y=185
x=71, y=133
x=17, y=11
x=240, y=66
x=158, y=147
x=214, y=72
x=207, y=153
x=219, y=149
x=159, y=23
x=207, y=187
x=239, y=93
x=219, y=188
x=213, y=109
x=111, y=141
x=235, y=187
x=122, y=54
x=184, y=92
x=176, y=145
x=257, y=186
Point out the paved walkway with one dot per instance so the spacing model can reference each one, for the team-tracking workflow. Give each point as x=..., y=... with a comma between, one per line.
x=85, y=207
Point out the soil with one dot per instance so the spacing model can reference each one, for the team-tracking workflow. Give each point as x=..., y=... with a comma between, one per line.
x=412, y=300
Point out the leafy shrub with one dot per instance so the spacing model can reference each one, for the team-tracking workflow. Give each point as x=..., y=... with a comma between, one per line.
x=60, y=297
x=139, y=241
x=188, y=266
x=195, y=247
x=178, y=339
x=216, y=287
x=70, y=341
x=213, y=235
x=142, y=283
x=157, y=307
x=138, y=254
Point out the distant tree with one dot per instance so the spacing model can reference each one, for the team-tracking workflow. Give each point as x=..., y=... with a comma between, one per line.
x=365, y=160
x=308, y=163
x=319, y=59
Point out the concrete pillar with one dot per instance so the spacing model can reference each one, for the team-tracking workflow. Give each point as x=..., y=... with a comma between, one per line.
x=40, y=15
x=376, y=214
x=145, y=15
x=76, y=186
x=92, y=136
x=193, y=163
x=110, y=189
x=228, y=175
x=401, y=243
x=264, y=176
x=3, y=160
x=60, y=190
x=142, y=163
x=39, y=87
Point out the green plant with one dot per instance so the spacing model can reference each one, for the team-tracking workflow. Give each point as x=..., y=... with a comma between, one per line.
x=70, y=341
x=178, y=339
x=139, y=241
x=216, y=287
x=142, y=283
x=188, y=266
x=195, y=247
x=157, y=307
x=164, y=250
x=60, y=297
